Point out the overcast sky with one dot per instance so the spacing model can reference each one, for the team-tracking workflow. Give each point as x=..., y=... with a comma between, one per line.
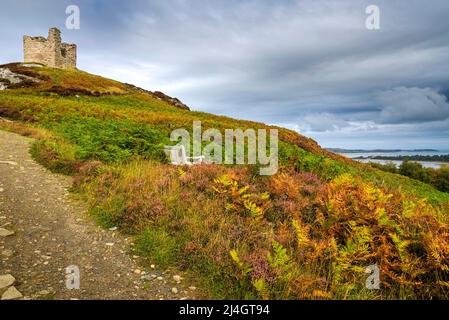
x=309, y=65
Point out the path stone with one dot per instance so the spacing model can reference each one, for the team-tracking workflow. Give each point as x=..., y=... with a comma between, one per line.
x=7, y=253
x=44, y=293
x=11, y=163
x=6, y=280
x=12, y=294
x=5, y=233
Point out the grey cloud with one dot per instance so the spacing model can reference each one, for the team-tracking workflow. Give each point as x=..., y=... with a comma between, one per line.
x=399, y=108
x=412, y=105
x=320, y=122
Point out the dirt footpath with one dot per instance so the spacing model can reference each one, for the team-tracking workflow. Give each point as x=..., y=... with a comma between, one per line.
x=43, y=231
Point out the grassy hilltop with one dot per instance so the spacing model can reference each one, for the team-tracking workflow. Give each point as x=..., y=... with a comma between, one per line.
x=307, y=232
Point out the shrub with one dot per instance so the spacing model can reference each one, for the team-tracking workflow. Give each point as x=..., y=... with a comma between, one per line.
x=159, y=245
x=111, y=140
x=439, y=178
x=57, y=156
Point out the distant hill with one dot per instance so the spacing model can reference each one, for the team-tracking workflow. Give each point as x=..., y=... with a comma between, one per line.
x=416, y=157
x=339, y=150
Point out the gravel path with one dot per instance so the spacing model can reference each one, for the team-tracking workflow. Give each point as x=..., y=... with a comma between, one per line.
x=53, y=232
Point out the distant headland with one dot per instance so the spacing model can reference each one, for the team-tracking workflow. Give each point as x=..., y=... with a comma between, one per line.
x=340, y=150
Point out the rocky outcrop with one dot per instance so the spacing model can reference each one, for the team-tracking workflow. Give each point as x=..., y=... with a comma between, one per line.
x=12, y=77
x=161, y=96
x=173, y=101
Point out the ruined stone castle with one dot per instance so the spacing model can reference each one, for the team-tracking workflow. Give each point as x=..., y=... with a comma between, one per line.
x=51, y=51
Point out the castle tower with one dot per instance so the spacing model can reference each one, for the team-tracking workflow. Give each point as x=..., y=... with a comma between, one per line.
x=51, y=51
x=54, y=47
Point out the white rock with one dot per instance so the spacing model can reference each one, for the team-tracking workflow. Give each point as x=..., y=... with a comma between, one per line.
x=11, y=163
x=11, y=294
x=5, y=233
x=177, y=278
x=174, y=290
x=192, y=288
x=31, y=65
x=6, y=280
x=43, y=293
x=7, y=253
x=137, y=271
x=160, y=278
x=110, y=244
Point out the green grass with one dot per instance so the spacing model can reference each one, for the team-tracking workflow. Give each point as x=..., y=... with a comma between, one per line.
x=159, y=245
x=110, y=140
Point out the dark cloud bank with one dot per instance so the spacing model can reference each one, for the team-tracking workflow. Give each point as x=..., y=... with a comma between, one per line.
x=308, y=65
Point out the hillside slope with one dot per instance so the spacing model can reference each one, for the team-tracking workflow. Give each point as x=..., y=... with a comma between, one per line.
x=307, y=232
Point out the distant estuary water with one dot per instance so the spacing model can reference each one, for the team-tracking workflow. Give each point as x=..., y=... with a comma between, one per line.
x=426, y=164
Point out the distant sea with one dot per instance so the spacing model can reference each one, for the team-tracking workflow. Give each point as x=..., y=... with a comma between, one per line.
x=369, y=153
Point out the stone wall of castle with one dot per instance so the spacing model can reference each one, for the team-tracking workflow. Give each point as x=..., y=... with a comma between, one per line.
x=51, y=51
x=68, y=56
